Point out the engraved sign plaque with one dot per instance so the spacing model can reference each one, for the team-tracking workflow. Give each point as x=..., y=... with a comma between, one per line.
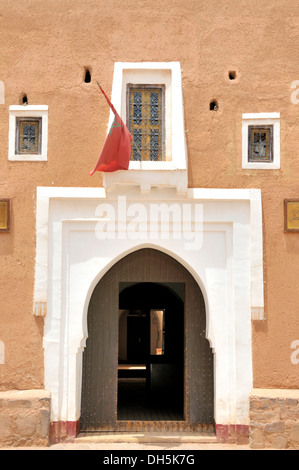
x=4, y=215
x=291, y=215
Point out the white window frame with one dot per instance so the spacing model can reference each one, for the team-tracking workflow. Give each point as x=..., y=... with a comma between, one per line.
x=172, y=171
x=162, y=73
x=31, y=111
x=261, y=119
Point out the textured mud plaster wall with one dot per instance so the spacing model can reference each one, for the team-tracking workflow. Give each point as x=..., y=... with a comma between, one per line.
x=45, y=48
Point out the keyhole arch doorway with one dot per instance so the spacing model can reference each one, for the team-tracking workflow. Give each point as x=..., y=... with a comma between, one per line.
x=147, y=273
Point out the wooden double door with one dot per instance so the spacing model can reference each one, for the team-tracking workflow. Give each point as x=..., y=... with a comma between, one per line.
x=146, y=328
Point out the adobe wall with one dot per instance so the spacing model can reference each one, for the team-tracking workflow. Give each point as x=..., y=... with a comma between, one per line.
x=45, y=48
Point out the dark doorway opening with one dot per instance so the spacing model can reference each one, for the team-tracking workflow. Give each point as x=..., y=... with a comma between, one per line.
x=151, y=352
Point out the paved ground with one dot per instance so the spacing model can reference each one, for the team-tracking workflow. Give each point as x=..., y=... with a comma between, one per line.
x=140, y=442
x=136, y=447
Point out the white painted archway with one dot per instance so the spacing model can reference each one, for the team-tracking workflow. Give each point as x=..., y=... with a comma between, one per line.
x=72, y=258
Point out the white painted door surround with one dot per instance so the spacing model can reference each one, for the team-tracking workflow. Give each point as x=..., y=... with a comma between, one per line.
x=77, y=244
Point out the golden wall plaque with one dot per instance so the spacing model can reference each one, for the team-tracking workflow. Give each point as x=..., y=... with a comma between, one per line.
x=291, y=215
x=4, y=215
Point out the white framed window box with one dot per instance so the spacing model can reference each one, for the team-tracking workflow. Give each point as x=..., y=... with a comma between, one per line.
x=261, y=141
x=171, y=170
x=28, y=133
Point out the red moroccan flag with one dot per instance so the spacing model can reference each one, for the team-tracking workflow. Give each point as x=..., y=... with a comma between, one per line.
x=116, y=152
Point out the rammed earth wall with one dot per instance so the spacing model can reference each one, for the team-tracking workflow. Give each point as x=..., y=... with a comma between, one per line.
x=274, y=419
x=24, y=418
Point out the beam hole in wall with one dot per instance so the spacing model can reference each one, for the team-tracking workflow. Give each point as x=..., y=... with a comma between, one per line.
x=214, y=105
x=87, y=76
x=24, y=99
x=232, y=75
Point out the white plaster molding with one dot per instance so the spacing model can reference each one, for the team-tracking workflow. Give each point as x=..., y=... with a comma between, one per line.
x=258, y=313
x=173, y=171
x=257, y=262
x=45, y=194
x=27, y=111
x=40, y=309
x=255, y=119
x=43, y=197
x=256, y=238
x=71, y=259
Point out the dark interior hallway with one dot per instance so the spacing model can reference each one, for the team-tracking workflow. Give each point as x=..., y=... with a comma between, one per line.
x=151, y=353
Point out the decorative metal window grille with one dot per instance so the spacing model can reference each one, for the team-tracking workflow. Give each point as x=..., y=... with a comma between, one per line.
x=28, y=136
x=260, y=144
x=145, y=120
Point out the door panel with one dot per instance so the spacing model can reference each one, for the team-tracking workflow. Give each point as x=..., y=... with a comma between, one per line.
x=99, y=390
x=200, y=386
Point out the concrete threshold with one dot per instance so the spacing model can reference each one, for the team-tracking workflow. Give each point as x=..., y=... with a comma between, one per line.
x=146, y=437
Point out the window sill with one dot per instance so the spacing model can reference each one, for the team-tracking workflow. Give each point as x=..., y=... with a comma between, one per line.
x=148, y=176
x=149, y=165
x=260, y=166
x=27, y=158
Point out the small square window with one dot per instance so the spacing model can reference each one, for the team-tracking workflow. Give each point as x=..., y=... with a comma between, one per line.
x=260, y=144
x=261, y=141
x=145, y=120
x=28, y=136
x=28, y=133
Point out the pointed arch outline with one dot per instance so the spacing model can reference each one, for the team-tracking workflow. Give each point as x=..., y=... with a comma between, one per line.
x=121, y=256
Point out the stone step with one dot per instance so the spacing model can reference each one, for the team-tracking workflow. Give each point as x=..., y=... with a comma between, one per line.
x=149, y=437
